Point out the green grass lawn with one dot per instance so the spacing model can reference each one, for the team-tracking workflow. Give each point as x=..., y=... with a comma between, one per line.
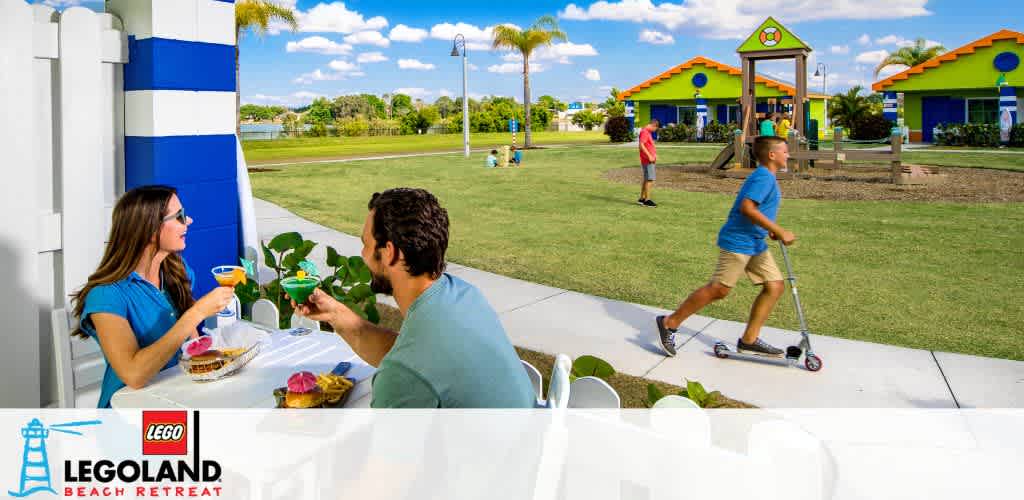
x=312, y=148
x=940, y=276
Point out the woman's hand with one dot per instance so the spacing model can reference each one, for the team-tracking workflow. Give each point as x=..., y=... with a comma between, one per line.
x=213, y=302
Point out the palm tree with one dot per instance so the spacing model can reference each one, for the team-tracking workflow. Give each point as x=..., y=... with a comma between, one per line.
x=910, y=56
x=844, y=109
x=257, y=15
x=543, y=32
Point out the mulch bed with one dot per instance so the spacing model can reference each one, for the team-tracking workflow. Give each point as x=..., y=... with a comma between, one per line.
x=857, y=182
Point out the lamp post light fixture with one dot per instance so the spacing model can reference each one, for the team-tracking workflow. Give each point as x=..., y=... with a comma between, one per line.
x=460, y=43
x=822, y=71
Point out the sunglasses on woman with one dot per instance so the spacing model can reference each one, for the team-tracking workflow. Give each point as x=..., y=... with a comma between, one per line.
x=180, y=215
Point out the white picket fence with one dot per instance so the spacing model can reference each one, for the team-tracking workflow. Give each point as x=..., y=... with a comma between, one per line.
x=62, y=162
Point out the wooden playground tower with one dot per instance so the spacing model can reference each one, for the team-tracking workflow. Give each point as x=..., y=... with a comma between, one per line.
x=771, y=40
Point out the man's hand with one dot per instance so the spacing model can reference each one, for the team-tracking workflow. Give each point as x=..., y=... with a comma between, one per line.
x=787, y=237
x=322, y=307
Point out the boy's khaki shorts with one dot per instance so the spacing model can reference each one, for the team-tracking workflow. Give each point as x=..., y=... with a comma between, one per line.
x=759, y=268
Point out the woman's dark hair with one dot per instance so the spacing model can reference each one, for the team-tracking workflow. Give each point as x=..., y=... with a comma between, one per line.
x=136, y=220
x=412, y=220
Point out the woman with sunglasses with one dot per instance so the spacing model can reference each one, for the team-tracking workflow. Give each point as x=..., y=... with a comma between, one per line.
x=138, y=304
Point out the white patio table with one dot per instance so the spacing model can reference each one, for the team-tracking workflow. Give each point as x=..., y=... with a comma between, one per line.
x=253, y=385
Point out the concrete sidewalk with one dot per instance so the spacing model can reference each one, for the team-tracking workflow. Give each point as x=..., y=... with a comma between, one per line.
x=855, y=374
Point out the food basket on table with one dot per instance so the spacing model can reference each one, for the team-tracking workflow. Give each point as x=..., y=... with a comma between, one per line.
x=224, y=362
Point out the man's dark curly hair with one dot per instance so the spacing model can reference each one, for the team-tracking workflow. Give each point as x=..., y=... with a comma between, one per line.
x=412, y=219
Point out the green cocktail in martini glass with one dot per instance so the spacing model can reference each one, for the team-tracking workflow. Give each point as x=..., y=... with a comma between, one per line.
x=299, y=288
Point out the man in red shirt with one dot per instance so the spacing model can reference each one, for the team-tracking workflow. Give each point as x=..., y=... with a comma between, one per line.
x=648, y=156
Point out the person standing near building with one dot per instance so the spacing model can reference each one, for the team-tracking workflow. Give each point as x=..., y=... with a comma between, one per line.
x=768, y=125
x=784, y=125
x=648, y=157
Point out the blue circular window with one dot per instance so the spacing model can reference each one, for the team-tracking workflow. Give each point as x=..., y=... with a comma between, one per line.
x=1006, y=61
x=699, y=80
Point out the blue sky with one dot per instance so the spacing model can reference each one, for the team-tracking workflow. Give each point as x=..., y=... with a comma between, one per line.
x=383, y=47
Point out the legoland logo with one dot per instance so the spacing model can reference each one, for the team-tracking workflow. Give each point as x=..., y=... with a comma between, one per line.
x=164, y=433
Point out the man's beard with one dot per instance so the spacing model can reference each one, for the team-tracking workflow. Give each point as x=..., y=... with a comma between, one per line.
x=380, y=284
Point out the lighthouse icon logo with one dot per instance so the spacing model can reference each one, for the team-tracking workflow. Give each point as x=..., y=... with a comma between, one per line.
x=35, y=463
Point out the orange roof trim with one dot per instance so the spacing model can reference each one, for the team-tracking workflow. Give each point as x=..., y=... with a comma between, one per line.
x=725, y=68
x=950, y=56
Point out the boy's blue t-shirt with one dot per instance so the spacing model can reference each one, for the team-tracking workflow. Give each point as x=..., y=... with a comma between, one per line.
x=517, y=157
x=739, y=234
x=492, y=161
x=149, y=313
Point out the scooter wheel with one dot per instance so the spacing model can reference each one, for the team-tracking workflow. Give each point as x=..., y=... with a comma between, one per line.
x=721, y=351
x=812, y=362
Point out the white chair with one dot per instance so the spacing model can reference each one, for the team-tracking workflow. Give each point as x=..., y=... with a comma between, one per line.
x=264, y=313
x=535, y=379
x=592, y=392
x=675, y=401
x=558, y=390
x=300, y=321
x=80, y=364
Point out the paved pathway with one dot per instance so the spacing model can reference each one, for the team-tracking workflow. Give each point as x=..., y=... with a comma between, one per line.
x=855, y=374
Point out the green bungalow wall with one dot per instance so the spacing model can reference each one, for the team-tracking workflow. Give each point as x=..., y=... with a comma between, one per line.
x=721, y=89
x=969, y=76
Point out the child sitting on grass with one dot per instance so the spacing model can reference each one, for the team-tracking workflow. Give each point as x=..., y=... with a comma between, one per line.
x=492, y=159
x=516, y=157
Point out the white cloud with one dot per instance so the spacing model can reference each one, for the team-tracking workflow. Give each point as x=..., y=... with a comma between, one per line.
x=472, y=67
x=341, y=70
x=656, y=37
x=403, y=33
x=736, y=19
x=514, y=67
x=839, y=49
x=605, y=88
x=293, y=100
x=476, y=38
x=334, y=17
x=891, y=70
x=592, y=75
x=342, y=66
x=414, y=92
x=371, y=57
x=368, y=38
x=415, y=64
x=445, y=93
x=864, y=39
x=899, y=41
x=317, y=76
x=319, y=45
x=560, y=52
x=872, y=57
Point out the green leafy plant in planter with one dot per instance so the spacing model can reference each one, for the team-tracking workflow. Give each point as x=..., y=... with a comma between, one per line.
x=694, y=391
x=348, y=282
x=591, y=366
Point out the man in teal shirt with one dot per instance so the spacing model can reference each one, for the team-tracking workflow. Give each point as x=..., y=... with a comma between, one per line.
x=452, y=351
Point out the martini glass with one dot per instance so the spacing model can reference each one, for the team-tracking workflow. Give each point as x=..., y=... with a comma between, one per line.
x=299, y=289
x=228, y=276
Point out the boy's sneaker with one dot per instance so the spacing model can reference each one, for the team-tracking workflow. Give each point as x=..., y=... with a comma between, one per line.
x=650, y=203
x=668, y=336
x=759, y=347
x=641, y=202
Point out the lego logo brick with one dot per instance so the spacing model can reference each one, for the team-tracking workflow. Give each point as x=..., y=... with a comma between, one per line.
x=164, y=433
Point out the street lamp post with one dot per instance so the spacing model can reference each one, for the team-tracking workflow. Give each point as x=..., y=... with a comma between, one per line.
x=822, y=71
x=460, y=42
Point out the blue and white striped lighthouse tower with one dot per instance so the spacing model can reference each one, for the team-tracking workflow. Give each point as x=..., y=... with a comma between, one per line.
x=179, y=109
